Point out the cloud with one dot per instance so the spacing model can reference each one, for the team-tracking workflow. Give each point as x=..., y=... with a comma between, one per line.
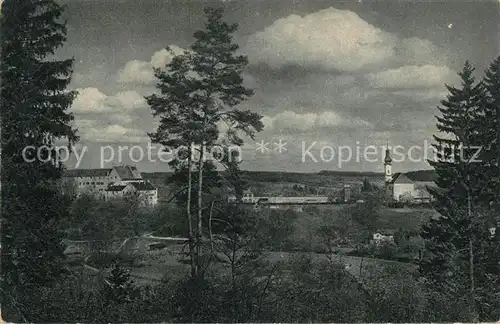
x=92, y=101
x=333, y=39
x=417, y=51
x=107, y=118
x=128, y=100
x=412, y=76
x=141, y=72
x=423, y=94
x=310, y=121
x=93, y=130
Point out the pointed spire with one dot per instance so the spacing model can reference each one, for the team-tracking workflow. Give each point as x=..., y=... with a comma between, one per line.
x=388, y=158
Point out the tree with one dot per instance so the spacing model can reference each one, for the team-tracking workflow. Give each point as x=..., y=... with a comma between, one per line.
x=456, y=242
x=490, y=131
x=367, y=213
x=407, y=199
x=237, y=243
x=335, y=233
x=314, y=291
x=199, y=90
x=367, y=186
x=33, y=113
x=119, y=286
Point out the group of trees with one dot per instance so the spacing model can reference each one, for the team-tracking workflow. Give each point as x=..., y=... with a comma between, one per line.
x=35, y=100
x=462, y=257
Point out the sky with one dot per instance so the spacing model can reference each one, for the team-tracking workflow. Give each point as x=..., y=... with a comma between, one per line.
x=330, y=77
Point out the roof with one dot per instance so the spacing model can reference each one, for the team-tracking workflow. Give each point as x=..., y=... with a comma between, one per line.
x=400, y=178
x=127, y=172
x=74, y=173
x=143, y=185
x=387, y=231
x=422, y=175
x=424, y=184
x=116, y=187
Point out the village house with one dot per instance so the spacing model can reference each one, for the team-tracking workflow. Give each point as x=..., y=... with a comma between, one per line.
x=383, y=237
x=119, y=182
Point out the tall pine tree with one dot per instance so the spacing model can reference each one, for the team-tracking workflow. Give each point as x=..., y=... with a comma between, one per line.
x=199, y=90
x=491, y=131
x=457, y=242
x=33, y=115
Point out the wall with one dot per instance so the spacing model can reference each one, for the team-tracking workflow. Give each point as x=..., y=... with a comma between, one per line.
x=400, y=189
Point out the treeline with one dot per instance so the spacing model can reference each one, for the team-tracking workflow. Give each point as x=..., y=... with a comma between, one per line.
x=298, y=290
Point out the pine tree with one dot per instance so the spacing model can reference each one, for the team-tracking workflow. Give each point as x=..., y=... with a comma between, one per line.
x=120, y=287
x=33, y=113
x=199, y=90
x=490, y=131
x=456, y=241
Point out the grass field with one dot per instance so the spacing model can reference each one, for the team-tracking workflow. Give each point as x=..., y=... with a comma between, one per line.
x=405, y=218
x=307, y=223
x=167, y=264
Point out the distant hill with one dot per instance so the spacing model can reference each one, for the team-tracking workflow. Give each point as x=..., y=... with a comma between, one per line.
x=422, y=175
x=278, y=176
x=350, y=173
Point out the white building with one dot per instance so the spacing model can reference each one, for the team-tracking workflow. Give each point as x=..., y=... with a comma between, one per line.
x=249, y=198
x=379, y=238
x=144, y=191
x=401, y=188
x=117, y=182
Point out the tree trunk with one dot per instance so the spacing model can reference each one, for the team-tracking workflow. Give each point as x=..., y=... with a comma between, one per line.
x=233, y=281
x=199, y=234
x=194, y=268
x=471, y=257
x=361, y=269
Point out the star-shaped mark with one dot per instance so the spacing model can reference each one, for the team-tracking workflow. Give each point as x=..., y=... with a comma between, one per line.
x=280, y=146
x=262, y=146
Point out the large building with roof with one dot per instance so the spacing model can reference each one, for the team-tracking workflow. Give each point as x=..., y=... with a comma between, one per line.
x=119, y=182
x=400, y=187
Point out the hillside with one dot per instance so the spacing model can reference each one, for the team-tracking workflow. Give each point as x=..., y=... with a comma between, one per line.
x=282, y=183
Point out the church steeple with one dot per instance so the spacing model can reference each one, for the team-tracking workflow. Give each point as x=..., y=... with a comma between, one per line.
x=388, y=159
x=388, y=165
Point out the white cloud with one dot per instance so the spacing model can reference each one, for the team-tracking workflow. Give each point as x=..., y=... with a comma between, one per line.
x=333, y=39
x=129, y=100
x=423, y=95
x=107, y=118
x=93, y=101
x=90, y=100
x=93, y=131
x=309, y=121
x=412, y=76
x=141, y=72
x=417, y=51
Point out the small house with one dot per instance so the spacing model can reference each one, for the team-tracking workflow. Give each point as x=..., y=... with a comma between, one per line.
x=383, y=237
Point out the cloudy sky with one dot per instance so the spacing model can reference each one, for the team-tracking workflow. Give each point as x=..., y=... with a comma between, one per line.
x=326, y=74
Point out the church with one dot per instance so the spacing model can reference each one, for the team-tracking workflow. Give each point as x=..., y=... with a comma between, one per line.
x=399, y=187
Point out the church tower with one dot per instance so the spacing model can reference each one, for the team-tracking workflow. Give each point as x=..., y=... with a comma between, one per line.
x=388, y=166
